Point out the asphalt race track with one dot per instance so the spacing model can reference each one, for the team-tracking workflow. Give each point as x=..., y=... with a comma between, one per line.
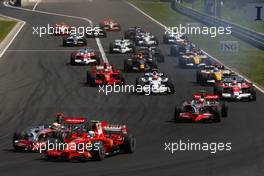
x=36, y=84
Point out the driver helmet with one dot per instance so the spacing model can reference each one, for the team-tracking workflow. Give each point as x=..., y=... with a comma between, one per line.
x=59, y=117
x=234, y=81
x=155, y=75
x=55, y=126
x=140, y=55
x=91, y=134
x=201, y=100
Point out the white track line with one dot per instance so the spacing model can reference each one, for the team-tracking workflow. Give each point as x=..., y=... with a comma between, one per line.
x=257, y=87
x=13, y=38
x=40, y=50
x=99, y=44
x=38, y=1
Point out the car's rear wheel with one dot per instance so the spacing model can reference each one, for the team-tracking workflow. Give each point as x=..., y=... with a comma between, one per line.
x=72, y=60
x=171, y=88
x=90, y=80
x=98, y=151
x=129, y=144
x=98, y=60
x=127, y=65
x=253, y=96
x=216, y=115
x=177, y=112
x=224, y=110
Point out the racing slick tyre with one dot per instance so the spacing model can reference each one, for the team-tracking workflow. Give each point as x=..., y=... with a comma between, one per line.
x=253, y=96
x=104, y=35
x=139, y=83
x=84, y=42
x=98, y=153
x=133, y=48
x=73, y=61
x=198, y=77
x=171, y=88
x=128, y=65
x=111, y=47
x=122, y=79
x=129, y=144
x=98, y=61
x=224, y=110
x=90, y=80
x=177, y=112
x=172, y=51
x=216, y=115
x=64, y=42
x=182, y=62
x=17, y=136
x=165, y=41
x=154, y=64
x=203, y=79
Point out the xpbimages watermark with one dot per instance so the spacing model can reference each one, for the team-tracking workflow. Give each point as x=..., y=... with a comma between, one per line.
x=117, y=88
x=61, y=146
x=187, y=145
x=191, y=29
x=41, y=31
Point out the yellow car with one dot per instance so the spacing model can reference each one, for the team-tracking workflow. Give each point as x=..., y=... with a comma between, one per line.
x=209, y=75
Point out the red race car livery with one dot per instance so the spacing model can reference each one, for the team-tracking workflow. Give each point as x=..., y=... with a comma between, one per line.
x=103, y=75
x=111, y=25
x=99, y=138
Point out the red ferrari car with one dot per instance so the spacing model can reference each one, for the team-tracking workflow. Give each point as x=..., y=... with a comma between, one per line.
x=203, y=108
x=104, y=74
x=97, y=140
x=111, y=25
x=61, y=29
x=85, y=56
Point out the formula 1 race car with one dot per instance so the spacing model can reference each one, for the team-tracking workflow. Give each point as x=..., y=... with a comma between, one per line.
x=182, y=48
x=61, y=29
x=152, y=52
x=96, y=31
x=234, y=87
x=74, y=40
x=203, y=108
x=104, y=74
x=99, y=139
x=194, y=59
x=146, y=39
x=35, y=138
x=140, y=63
x=174, y=38
x=154, y=83
x=31, y=139
x=111, y=25
x=132, y=32
x=211, y=74
x=85, y=56
x=122, y=46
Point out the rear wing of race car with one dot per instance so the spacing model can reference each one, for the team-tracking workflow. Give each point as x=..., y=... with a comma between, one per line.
x=102, y=67
x=74, y=120
x=209, y=97
x=112, y=128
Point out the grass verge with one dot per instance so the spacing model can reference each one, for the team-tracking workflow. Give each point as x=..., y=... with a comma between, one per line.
x=5, y=27
x=248, y=60
x=233, y=13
